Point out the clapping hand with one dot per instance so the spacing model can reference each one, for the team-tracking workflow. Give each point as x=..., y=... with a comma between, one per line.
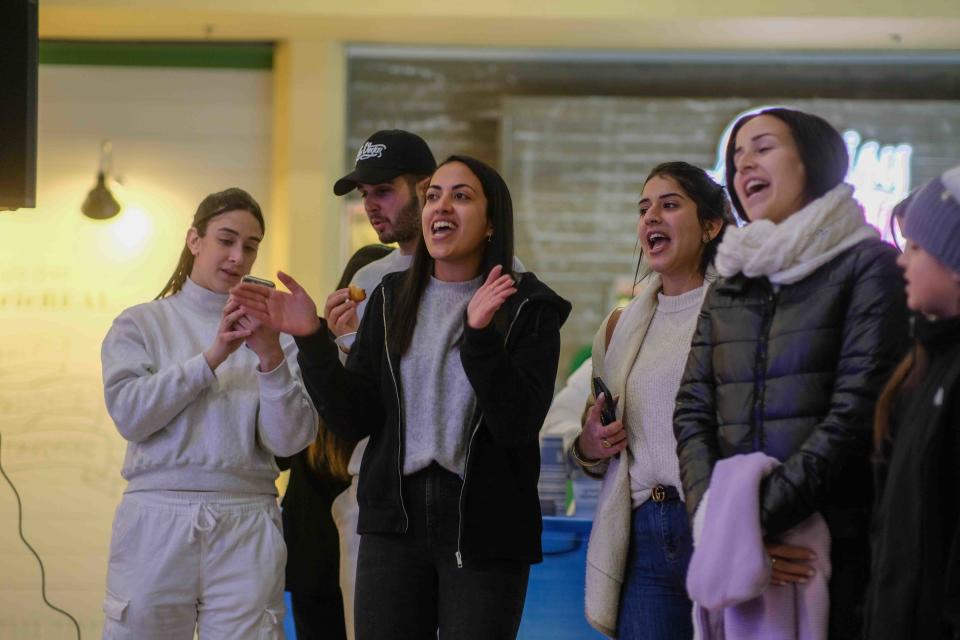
x=489, y=298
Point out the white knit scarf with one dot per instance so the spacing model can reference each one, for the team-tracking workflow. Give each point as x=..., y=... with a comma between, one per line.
x=796, y=247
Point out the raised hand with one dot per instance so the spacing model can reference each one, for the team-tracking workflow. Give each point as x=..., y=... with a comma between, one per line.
x=598, y=441
x=229, y=335
x=341, y=313
x=489, y=297
x=294, y=313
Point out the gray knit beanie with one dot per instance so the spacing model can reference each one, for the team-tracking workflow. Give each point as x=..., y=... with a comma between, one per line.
x=933, y=218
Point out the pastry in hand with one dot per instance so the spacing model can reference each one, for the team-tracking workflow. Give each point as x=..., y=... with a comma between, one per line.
x=357, y=294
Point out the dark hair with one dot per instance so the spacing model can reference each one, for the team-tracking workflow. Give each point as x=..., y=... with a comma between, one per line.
x=361, y=258
x=417, y=196
x=822, y=152
x=908, y=375
x=898, y=215
x=499, y=251
x=213, y=205
x=710, y=198
x=329, y=455
x=412, y=180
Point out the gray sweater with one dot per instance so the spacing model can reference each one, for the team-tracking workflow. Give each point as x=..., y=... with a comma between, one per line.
x=187, y=427
x=437, y=397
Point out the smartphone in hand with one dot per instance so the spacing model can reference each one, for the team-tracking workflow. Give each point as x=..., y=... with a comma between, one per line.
x=608, y=409
x=258, y=281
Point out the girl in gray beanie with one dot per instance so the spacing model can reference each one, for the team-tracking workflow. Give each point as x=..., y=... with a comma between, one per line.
x=932, y=229
x=915, y=589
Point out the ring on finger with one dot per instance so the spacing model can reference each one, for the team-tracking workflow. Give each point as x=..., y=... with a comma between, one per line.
x=605, y=443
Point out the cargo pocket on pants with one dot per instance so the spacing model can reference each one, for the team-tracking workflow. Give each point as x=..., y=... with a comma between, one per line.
x=271, y=626
x=114, y=610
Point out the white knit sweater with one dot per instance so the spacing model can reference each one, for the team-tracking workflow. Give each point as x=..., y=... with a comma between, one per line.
x=187, y=427
x=652, y=390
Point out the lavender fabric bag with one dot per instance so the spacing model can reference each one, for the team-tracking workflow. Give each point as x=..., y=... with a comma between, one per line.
x=729, y=574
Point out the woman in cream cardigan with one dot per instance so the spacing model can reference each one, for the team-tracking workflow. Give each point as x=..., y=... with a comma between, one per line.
x=641, y=542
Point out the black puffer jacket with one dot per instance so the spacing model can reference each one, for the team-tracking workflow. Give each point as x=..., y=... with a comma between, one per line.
x=795, y=373
x=511, y=365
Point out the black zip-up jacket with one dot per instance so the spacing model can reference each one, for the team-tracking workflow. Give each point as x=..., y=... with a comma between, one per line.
x=511, y=365
x=795, y=373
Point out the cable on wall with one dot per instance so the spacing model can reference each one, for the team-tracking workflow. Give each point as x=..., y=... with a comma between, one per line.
x=43, y=574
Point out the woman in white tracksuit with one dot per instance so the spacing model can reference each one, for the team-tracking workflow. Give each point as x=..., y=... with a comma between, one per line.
x=196, y=542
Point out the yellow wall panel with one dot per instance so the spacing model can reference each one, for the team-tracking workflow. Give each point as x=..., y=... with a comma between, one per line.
x=177, y=135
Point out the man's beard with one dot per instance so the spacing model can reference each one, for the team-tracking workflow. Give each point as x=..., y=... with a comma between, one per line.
x=407, y=226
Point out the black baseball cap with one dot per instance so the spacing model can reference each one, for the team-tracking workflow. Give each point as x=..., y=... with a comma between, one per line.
x=386, y=155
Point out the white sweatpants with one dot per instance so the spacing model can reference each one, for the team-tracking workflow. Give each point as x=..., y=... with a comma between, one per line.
x=184, y=559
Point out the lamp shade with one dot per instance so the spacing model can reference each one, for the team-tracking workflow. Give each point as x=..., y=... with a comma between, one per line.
x=100, y=203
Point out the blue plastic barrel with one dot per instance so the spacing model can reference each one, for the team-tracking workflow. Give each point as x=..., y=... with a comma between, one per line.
x=554, y=605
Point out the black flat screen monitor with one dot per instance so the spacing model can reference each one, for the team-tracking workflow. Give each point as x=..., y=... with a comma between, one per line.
x=18, y=103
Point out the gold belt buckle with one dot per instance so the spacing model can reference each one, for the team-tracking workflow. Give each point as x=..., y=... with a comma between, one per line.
x=659, y=493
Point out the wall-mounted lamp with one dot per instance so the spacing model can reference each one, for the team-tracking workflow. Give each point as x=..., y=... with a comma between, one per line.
x=100, y=203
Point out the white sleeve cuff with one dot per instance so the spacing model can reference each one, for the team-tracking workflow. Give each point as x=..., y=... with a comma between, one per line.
x=276, y=382
x=346, y=340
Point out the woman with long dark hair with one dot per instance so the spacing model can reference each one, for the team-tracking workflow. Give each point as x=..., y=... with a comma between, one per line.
x=451, y=376
x=792, y=347
x=640, y=544
x=318, y=476
x=197, y=542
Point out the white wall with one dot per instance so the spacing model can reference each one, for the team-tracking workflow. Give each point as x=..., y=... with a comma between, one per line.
x=177, y=135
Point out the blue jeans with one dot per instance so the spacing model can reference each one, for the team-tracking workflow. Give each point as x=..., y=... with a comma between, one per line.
x=409, y=585
x=653, y=602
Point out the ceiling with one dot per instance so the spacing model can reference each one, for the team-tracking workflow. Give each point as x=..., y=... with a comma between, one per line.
x=625, y=25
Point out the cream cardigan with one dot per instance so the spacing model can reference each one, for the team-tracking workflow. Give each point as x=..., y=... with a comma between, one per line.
x=610, y=536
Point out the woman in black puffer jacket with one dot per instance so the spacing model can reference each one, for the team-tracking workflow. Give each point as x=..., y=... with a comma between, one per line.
x=793, y=346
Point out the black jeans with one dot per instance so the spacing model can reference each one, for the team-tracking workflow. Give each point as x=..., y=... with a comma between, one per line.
x=409, y=585
x=318, y=617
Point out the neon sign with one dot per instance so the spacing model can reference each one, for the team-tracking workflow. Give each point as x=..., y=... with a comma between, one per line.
x=879, y=174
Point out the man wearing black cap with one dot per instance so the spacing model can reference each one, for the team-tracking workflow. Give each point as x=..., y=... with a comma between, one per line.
x=392, y=171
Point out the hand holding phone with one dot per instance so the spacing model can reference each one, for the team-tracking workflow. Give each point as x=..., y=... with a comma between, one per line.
x=294, y=313
x=602, y=435
x=263, y=339
x=608, y=411
x=246, y=321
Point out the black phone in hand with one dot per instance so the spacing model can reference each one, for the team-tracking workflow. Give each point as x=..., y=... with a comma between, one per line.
x=607, y=410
